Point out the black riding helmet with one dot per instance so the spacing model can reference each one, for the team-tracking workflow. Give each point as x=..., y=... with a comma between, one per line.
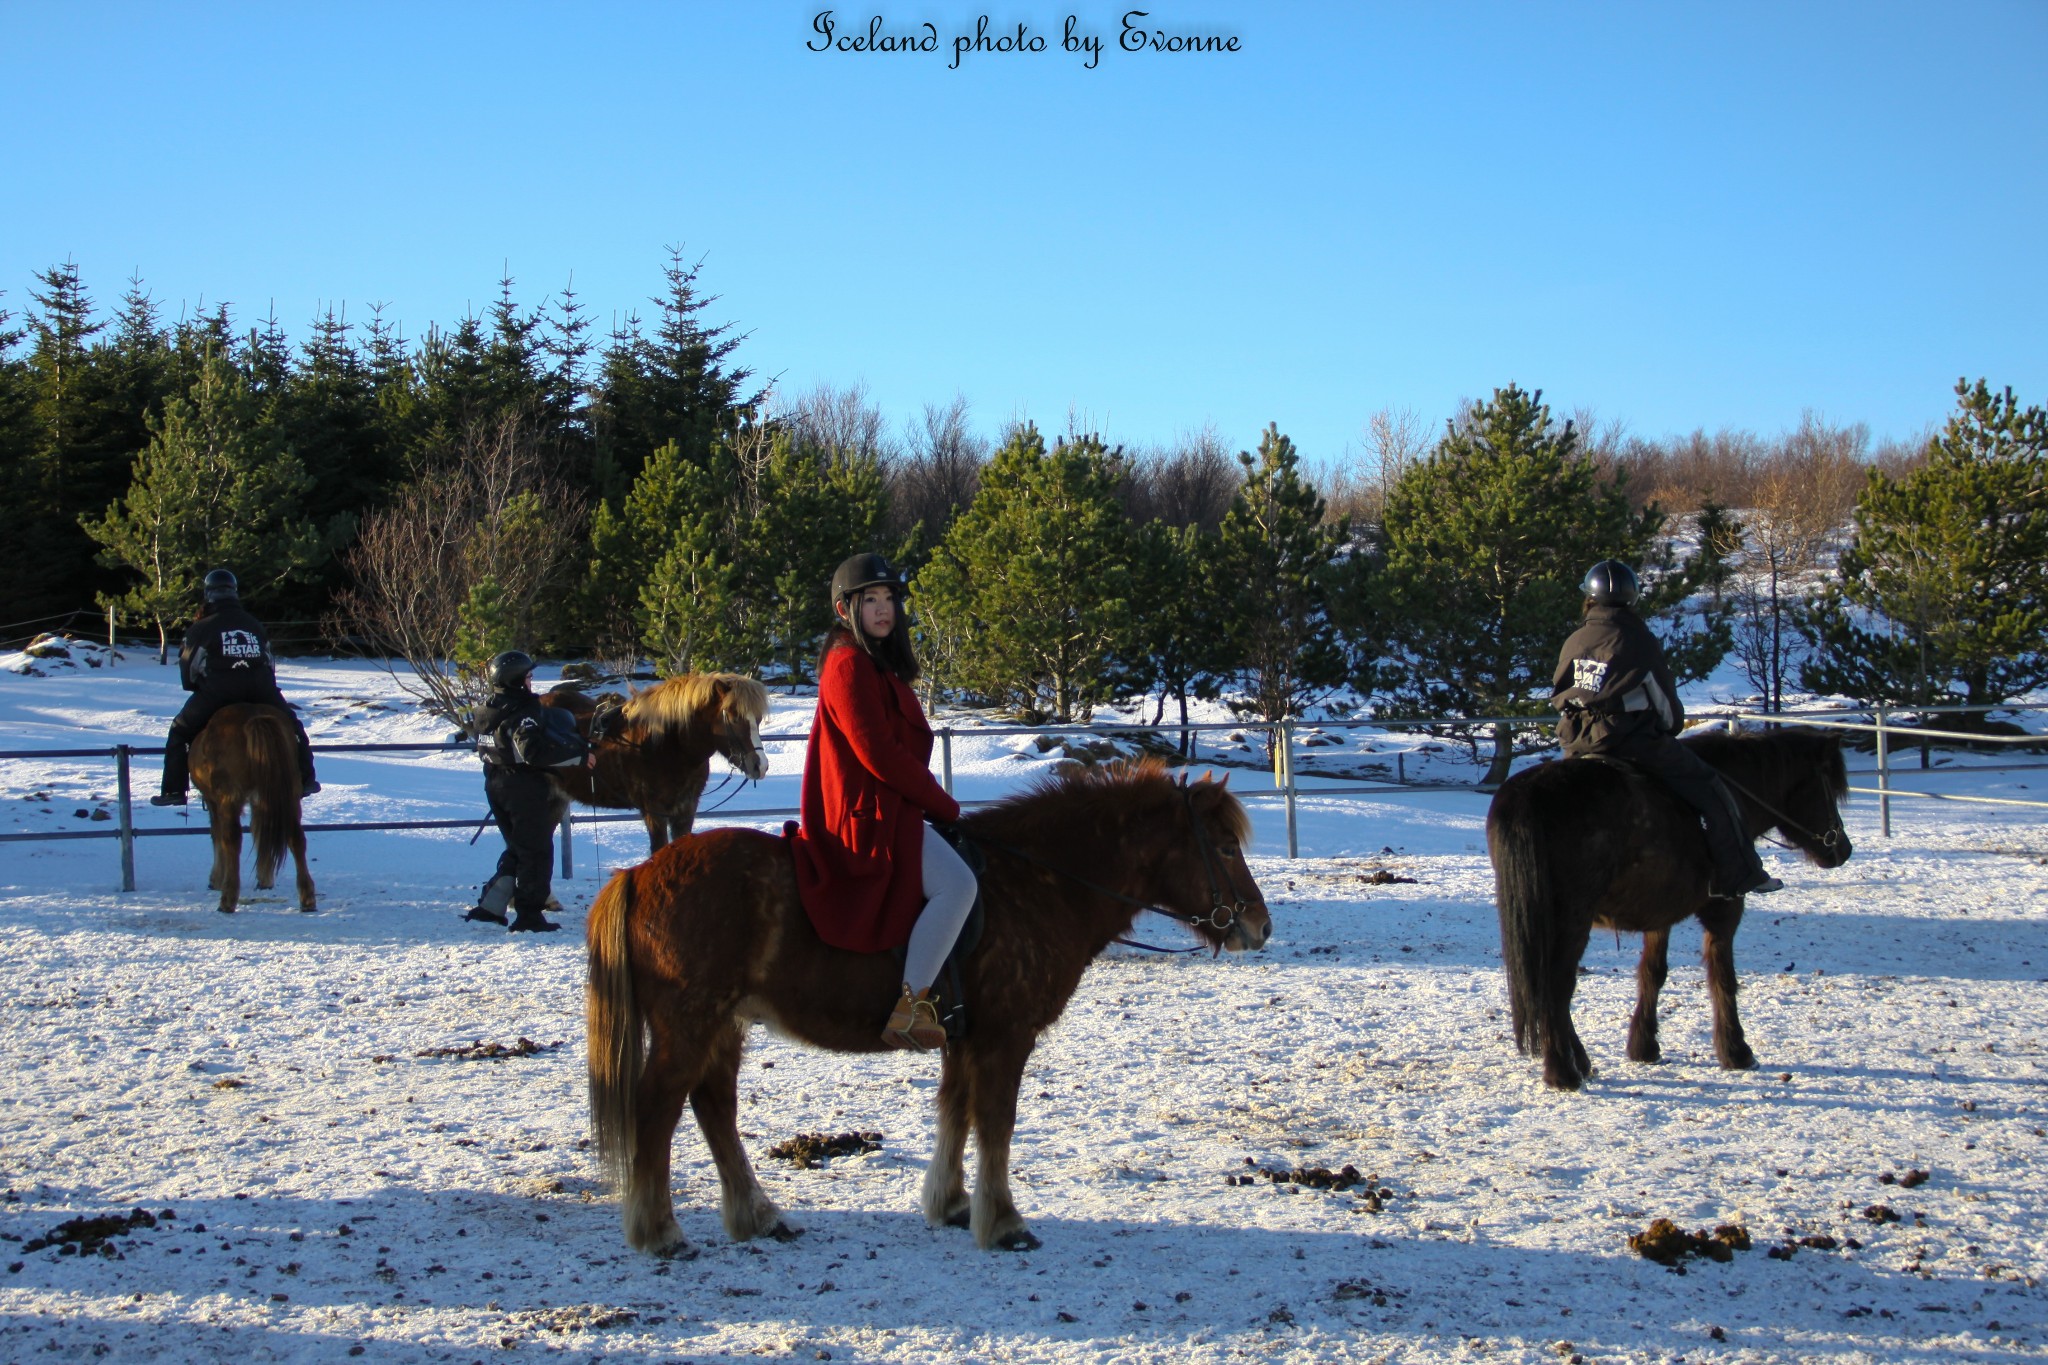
x=857, y=574
x=510, y=669
x=220, y=585
x=1611, y=583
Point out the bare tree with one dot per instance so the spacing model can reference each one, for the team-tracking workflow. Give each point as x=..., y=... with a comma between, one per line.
x=843, y=423
x=938, y=471
x=1795, y=509
x=1396, y=440
x=459, y=565
x=1187, y=483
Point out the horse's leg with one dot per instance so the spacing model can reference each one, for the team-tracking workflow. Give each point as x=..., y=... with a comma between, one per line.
x=996, y=1073
x=265, y=877
x=657, y=830
x=1719, y=921
x=647, y=1206
x=298, y=845
x=1565, y=1063
x=745, y=1206
x=1651, y=970
x=945, y=1185
x=227, y=853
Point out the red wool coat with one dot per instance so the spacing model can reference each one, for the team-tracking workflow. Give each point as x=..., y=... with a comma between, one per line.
x=867, y=788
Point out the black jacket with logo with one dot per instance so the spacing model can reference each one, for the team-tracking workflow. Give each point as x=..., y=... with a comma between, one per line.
x=226, y=649
x=1612, y=684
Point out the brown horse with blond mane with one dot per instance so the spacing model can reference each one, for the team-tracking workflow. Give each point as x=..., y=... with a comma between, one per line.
x=655, y=756
x=709, y=936
x=247, y=756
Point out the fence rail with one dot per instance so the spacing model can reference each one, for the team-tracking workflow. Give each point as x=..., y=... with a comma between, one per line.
x=1281, y=740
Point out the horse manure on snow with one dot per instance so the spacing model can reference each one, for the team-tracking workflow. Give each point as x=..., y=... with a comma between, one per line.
x=481, y=1051
x=809, y=1151
x=1668, y=1244
x=94, y=1235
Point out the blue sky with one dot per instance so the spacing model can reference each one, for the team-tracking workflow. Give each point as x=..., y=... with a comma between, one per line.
x=1676, y=215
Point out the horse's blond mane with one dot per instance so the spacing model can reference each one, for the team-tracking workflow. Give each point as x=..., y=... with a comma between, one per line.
x=1120, y=780
x=673, y=703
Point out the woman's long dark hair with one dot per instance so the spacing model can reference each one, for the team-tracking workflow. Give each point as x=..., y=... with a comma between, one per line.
x=892, y=652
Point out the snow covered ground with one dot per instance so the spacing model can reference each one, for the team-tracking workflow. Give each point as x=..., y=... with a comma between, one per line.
x=333, y=1193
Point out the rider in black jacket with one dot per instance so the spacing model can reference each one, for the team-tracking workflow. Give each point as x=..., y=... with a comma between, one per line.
x=1618, y=700
x=224, y=659
x=519, y=740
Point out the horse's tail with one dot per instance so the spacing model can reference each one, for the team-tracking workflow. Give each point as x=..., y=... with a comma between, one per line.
x=616, y=1037
x=273, y=788
x=1526, y=895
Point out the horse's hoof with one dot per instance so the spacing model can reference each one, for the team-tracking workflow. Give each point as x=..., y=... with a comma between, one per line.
x=681, y=1251
x=1744, y=1060
x=1563, y=1080
x=1649, y=1055
x=225, y=909
x=960, y=1218
x=1020, y=1240
x=784, y=1232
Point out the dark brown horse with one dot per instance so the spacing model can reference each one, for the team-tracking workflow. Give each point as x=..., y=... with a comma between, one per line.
x=1581, y=843
x=656, y=756
x=247, y=756
x=708, y=936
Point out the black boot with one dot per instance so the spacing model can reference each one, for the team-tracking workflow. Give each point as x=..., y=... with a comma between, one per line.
x=177, y=758
x=533, y=922
x=308, y=784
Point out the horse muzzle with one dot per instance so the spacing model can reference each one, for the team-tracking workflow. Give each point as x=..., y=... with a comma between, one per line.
x=1247, y=938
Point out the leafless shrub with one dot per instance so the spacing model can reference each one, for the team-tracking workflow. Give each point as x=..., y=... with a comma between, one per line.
x=460, y=564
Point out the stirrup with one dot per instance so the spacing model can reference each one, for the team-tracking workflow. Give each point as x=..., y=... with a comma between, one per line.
x=914, y=1023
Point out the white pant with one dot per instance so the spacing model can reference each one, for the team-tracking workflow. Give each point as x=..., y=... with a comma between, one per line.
x=949, y=889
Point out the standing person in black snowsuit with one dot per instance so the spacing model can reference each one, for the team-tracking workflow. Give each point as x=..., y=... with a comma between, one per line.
x=1618, y=700
x=519, y=740
x=225, y=658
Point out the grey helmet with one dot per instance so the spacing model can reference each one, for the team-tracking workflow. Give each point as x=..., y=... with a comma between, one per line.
x=1611, y=583
x=220, y=586
x=511, y=669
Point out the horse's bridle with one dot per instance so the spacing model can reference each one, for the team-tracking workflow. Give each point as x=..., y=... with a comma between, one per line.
x=1827, y=839
x=1210, y=858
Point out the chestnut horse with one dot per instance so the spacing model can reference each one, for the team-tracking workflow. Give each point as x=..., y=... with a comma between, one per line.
x=656, y=756
x=1584, y=842
x=708, y=936
x=247, y=756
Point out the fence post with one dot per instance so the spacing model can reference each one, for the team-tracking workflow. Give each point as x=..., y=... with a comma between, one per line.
x=1401, y=767
x=125, y=791
x=568, y=848
x=946, y=758
x=1286, y=767
x=1884, y=776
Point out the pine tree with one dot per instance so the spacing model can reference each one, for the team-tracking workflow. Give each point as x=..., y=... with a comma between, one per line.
x=207, y=491
x=1271, y=576
x=1032, y=582
x=672, y=386
x=1485, y=543
x=814, y=508
x=1943, y=590
x=1177, y=639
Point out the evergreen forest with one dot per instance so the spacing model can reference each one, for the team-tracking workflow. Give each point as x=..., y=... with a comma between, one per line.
x=642, y=498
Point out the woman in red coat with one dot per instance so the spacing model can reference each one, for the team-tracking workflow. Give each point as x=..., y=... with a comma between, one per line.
x=870, y=879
